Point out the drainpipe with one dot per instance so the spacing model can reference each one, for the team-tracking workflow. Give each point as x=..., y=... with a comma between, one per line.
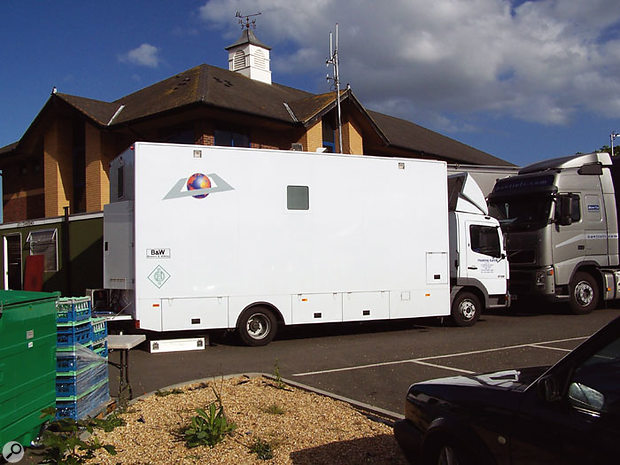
x=66, y=254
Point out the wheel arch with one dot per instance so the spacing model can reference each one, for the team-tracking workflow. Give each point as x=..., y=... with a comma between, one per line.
x=268, y=305
x=460, y=434
x=592, y=268
x=475, y=287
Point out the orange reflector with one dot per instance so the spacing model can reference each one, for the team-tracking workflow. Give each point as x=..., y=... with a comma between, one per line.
x=427, y=295
x=304, y=300
x=155, y=305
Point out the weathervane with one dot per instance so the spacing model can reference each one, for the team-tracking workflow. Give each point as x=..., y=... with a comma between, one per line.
x=247, y=23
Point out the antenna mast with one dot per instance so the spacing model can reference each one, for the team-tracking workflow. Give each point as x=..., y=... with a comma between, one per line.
x=333, y=60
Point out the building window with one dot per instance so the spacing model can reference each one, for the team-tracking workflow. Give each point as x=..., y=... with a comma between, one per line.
x=43, y=242
x=329, y=138
x=120, y=182
x=181, y=136
x=231, y=139
x=297, y=198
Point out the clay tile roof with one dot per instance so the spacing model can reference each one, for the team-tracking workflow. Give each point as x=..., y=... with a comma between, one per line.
x=211, y=86
x=221, y=88
x=408, y=135
x=100, y=112
x=307, y=108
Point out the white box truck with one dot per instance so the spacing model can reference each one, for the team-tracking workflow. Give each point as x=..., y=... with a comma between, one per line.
x=202, y=237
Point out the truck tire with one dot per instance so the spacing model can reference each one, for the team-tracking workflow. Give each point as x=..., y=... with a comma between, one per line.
x=257, y=326
x=584, y=293
x=466, y=309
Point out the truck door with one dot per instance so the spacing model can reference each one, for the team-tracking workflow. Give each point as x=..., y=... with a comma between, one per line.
x=485, y=260
x=568, y=241
x=596, y=227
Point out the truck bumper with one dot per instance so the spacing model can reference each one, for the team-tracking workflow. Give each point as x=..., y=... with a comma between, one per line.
x=535, y=282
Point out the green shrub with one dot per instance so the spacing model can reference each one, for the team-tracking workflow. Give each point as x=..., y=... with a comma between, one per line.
x=63, y=445
x=209, y=427
x=262, y=449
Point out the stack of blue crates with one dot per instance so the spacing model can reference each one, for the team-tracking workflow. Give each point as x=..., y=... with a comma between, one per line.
x=81, y=360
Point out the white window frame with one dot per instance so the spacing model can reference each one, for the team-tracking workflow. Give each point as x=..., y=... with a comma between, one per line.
x=44, y=237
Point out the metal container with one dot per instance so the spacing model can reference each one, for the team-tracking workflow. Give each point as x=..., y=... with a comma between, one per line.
x=27, y=363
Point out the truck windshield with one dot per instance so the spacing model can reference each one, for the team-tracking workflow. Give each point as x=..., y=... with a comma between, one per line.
x=521, y=213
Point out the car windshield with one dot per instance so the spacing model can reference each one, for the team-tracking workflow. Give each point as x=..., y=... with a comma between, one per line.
x=521, y=213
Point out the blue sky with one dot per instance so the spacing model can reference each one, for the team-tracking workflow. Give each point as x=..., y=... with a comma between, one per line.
x=520, y=80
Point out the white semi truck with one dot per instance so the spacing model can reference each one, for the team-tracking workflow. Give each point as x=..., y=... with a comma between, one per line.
x=202, y=237
x=561, y=225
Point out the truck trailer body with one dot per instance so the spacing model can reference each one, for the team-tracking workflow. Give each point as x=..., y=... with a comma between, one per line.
x=560, y=221
x=201, y=237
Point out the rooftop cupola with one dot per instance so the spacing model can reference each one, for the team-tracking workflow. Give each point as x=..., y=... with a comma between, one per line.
x=249, y=56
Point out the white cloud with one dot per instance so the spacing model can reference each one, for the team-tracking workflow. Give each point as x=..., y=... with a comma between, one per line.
x=541, y=61
x=144, y=55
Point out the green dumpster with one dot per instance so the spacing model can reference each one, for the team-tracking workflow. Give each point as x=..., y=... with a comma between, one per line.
x=27, y=362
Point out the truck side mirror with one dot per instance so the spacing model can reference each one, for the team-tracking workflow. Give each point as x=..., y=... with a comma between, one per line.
x=566, y=208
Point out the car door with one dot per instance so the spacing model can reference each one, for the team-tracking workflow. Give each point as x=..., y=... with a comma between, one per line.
x=583, y=424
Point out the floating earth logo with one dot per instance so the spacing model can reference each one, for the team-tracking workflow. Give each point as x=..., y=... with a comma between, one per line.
x=198, y=181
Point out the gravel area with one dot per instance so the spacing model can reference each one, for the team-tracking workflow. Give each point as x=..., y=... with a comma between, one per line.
x=301, y=428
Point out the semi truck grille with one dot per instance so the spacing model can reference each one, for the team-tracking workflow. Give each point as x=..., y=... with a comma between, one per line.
x=521, y=256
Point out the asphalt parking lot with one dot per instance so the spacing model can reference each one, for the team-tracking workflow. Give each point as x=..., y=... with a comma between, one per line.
x=375, y=363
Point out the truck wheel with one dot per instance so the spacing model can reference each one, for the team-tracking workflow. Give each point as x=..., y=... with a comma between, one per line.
x=584, y=293
x=465, y=309
x=257, y=326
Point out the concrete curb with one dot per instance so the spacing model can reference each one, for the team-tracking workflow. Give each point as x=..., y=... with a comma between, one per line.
x=378, y=414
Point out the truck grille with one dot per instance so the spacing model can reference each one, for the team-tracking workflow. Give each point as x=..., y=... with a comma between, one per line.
x=521, y=256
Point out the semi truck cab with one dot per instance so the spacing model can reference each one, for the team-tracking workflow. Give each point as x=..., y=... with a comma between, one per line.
x=560, y=222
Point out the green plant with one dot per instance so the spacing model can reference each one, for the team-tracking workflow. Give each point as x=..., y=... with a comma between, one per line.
x=63, y=444
x=210, y=426
x=278, y=377
x=109, y=423
x=274, y=409
x=169, y=392
x=262, y=449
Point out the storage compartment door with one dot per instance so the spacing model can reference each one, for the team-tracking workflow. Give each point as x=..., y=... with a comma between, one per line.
x=199, y=313
x=317, y=308
x=366, y=306
x=437, y=268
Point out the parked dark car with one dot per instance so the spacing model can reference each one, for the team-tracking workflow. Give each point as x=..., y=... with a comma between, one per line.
x=566, y=414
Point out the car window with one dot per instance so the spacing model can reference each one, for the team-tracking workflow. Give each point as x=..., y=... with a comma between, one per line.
x=595, y=386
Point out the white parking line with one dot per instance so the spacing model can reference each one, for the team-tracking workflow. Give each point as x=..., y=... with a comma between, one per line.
x=424, y=360
x=539, y=346
x=434, y=365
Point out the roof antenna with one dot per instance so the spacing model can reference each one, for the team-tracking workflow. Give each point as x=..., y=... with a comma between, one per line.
x=247, y=24
x=333, y=60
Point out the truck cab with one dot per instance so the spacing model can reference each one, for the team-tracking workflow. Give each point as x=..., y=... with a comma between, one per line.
x=559, y=218
x=479, y=269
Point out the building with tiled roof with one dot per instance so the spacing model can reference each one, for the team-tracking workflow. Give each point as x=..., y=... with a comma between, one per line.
x=60, y=165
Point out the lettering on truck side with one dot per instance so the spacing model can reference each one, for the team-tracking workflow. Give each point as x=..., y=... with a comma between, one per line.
x=158, y=253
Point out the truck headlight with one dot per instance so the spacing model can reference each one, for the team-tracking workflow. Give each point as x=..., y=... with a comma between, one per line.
x=542, y=275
